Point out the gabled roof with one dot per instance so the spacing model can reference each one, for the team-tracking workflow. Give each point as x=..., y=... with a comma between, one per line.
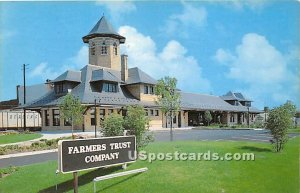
x=106, y=75
x=230, y=96
x=103, y=29
x=136, y=75
x=69, y=75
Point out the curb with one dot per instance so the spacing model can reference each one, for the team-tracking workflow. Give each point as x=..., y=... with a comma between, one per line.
x=240, y=129
x=27, y=153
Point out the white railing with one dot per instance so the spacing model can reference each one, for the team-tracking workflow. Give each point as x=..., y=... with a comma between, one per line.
x=110, y=176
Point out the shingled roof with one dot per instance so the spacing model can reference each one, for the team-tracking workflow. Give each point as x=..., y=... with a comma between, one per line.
x=193, y=101
x=107, y=75
x=86, y=94
x=136, y=76
x=103, y=29
x=69, y=75
x=230, y=96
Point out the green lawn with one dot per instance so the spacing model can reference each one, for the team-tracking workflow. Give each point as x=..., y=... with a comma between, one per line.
x=294, y=130
x=12, y=138
x=270, y=172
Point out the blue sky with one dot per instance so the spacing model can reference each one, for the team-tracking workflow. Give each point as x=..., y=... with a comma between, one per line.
x=210, y=47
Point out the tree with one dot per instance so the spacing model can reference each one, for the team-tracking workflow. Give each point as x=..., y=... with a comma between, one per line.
x=137, y=123
x=72, y=110
x=207, y=117
x=279, y=120
x=113, y=125
x=168, y=98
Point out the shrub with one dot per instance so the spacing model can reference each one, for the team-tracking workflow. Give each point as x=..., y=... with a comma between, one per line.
x=137, y=123
x=207, y=117
x=280, y=119
x=6, y=171
x=113, y=125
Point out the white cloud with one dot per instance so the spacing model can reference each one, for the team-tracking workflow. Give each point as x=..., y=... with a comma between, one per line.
x=190, y=17
x=80, y=59
x=171, y=61
x=117, y=8
x=261, y=66
x=44, y=71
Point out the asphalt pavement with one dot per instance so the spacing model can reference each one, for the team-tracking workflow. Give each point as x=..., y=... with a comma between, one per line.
x=179, y=135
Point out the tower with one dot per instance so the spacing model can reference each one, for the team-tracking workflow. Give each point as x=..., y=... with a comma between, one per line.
x=104, y=45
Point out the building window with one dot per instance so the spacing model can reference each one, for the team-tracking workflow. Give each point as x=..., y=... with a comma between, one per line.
x=174, y=119
x=46, y=118
x=151, y=89
x=146, y=112
x=92, y=113
x=115, y=49
x=59, y=88
x=103, y=49
x=56, y=121
x=110, y=87
x=152, y=112
x=110, y=111
x=146, y=89
x=102, y=114
x=232, y=118
x=67, y=122
x=93, y=49
x=156, y=113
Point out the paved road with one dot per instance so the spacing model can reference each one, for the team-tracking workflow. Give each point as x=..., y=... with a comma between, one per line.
x=202, y=135
x=215, y=135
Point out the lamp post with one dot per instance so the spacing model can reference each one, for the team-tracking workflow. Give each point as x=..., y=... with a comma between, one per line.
x=248, y=117
x=95, y=114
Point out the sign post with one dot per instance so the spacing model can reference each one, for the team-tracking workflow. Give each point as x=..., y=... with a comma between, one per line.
x=84, y=154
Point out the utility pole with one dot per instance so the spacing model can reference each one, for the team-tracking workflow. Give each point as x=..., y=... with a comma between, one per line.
x=95, y=114
x=24, y=97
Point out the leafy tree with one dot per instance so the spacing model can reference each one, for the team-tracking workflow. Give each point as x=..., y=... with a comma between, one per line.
x=168, y=98
x=137, y=123
x=113, y=125
x=72, y=110
x=207, y=117
x=279, y=120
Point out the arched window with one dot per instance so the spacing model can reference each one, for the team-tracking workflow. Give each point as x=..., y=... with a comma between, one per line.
x=103, y=49
x=93, y=48
x=115, y=49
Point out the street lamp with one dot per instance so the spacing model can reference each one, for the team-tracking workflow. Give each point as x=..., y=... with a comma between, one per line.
x=95, y=114
x=248, y=117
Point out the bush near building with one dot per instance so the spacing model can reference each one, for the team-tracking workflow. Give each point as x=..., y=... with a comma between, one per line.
x=279, y=121
x=137, y=123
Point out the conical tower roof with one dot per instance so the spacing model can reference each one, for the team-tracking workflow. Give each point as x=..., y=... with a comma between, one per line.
x=103, y=29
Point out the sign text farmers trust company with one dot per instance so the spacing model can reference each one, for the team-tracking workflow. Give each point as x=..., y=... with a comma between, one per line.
x=92, y=153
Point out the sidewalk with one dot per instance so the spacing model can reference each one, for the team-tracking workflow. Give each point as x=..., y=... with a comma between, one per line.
x=51, y=135
x=168, y=129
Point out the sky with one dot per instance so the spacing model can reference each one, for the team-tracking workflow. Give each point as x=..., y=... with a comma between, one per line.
x=210, y=47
